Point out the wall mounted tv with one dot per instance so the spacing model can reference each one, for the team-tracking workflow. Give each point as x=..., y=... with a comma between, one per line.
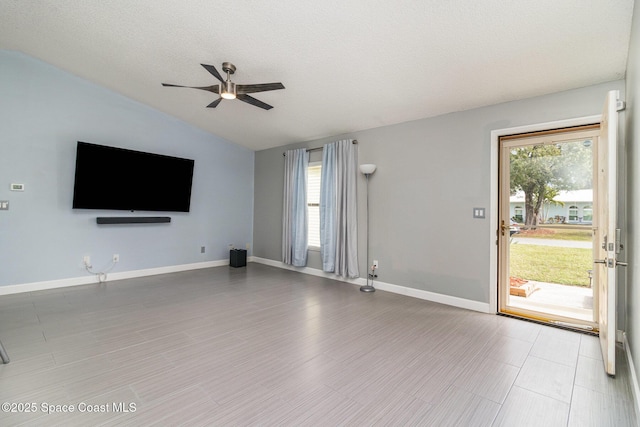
x=116, y=178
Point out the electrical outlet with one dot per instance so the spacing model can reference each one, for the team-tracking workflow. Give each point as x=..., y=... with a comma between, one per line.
x=231, y=246
x=86, y=260
x=248, y=246
x=202, y=249
x=375, y=263
x=116, y=258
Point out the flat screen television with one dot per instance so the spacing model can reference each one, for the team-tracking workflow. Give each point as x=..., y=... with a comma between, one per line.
x=120, y=179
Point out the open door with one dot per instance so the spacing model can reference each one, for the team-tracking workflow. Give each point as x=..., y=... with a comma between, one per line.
x=545, y=240
x=606, y=234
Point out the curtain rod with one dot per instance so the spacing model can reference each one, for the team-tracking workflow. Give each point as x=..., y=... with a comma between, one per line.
x=355, y=141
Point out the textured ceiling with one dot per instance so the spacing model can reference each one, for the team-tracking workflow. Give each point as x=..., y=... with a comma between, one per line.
x=347, y=65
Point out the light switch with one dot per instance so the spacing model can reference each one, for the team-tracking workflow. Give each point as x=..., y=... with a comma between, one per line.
x=478, y=212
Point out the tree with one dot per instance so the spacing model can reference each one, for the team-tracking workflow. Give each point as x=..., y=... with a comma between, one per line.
x=541, y=171
x=549, y=200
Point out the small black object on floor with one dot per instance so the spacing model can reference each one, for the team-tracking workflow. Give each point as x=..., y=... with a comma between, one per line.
x=238, y=258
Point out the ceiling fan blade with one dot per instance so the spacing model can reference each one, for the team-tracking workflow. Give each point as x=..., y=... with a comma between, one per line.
x=213, y=89
x=263, y=87
x=212, y=70
x=215, y=103
x=250, y=100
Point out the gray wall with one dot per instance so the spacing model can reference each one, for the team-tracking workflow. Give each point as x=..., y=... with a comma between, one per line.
x=431, y=174
x=43, y=112
x=633, y=190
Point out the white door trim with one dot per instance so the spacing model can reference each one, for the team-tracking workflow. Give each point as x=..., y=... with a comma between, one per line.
x=493, y=195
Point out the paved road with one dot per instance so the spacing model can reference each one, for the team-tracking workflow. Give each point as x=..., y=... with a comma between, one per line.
x=551, y=242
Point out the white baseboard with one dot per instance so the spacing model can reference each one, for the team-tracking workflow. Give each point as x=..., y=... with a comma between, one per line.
x=89, y=279
x=635, y=387
x=436, y=297
x=402, y=290
x=396, y=289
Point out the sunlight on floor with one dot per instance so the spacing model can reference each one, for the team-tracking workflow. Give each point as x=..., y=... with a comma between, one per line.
x=561, y=300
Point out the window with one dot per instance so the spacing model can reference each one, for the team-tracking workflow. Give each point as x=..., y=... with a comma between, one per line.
x=587, y=213
x=518, y=214
x=314, y=172
x=573, y=213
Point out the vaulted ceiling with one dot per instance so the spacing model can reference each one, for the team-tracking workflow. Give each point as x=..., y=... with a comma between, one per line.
x=347, y=65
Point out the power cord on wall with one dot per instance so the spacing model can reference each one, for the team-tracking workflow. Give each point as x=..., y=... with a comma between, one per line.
x=101, y=275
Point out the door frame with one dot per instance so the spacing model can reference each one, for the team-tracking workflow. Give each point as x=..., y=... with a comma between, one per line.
x=568, y=134
x=494, y=193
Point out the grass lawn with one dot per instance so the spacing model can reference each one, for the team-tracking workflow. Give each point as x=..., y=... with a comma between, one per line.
x=558, y=234
x=566, y=266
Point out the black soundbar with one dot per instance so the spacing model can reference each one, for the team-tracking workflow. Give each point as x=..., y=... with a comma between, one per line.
x=132, y=219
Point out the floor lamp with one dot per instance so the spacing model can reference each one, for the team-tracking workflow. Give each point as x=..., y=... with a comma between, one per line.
x=367, y=170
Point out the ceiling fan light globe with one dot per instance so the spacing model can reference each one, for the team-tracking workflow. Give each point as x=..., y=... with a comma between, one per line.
x=228, y=90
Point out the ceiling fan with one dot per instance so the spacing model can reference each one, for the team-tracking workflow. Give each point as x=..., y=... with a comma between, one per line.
x=229, y=90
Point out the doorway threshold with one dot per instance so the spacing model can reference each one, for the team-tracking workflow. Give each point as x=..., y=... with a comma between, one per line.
x=559, y=325
x=581, y=314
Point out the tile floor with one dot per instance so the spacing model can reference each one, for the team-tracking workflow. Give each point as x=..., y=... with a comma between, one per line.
x=265, y=346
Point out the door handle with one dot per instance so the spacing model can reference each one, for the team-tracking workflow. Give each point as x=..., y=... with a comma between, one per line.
x=608, y=262
x=503, y=227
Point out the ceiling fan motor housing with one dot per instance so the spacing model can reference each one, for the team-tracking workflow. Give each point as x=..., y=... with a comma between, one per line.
x=228, y=90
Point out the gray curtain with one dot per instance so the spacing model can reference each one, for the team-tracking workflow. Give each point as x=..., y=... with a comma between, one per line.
x=294, y=218
x=338, y=209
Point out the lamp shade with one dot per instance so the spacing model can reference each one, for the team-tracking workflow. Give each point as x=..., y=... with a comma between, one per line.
x=367, y=169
